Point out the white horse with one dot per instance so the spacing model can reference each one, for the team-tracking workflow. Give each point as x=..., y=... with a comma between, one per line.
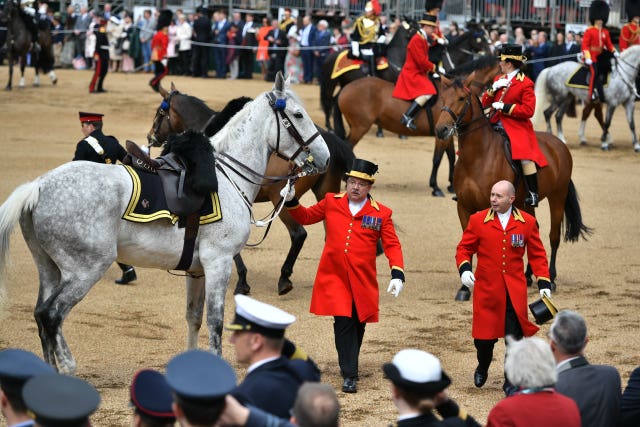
x=553, y=94
x=71, y=219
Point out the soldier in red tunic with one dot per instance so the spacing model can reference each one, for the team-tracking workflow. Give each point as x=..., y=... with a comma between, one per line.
x=513, y=99
x=346, y=286
x=630, y=32
x=159, y=45
x=413, y=83
x=595, y=41
x=499, y=237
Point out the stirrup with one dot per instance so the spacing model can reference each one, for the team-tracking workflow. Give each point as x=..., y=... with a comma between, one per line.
x=408, y=122
x=532, y=199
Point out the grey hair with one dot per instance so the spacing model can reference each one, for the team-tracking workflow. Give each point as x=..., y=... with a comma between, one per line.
x=569, y=331
x=529, y=363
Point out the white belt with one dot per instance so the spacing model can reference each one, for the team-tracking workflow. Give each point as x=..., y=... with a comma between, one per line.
x=95, y=145
x=367, y=52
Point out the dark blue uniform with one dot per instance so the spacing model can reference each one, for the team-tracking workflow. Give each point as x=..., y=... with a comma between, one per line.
x=112, y=149
x=274, y=385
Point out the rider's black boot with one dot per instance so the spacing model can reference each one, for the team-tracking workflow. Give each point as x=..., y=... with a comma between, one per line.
x=128, y=274
x=532, y=189
x=410, y=115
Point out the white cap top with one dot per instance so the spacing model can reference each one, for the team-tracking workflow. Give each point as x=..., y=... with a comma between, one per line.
x=262, y=314
x=417, y=366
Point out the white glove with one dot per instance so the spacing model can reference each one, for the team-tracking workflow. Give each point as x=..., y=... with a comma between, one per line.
x=442, y=41
x=468, y=279
x=288, y=192
x=395, y=287
x=145, y=148
x=545, y=292
x=381, y=39
x=500, y=83
x=441, y=70
x=355, y=49
x=31, y=11
x=498, y=105
x=616, y=54
x=588, y=61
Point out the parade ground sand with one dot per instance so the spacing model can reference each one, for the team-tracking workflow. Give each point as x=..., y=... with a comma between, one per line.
x=117, y=330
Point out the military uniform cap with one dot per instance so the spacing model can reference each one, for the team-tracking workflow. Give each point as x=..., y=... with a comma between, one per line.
x=151, y=395
x=598, y=10
x=416, y=371
x=198, y=375
x=90, y=117
x=60, y=400
x=632, y=8
x=432, y=4
x=256, y=316
x=428, y=19
x=164, y=20
x=17, y=366
x=363, y=169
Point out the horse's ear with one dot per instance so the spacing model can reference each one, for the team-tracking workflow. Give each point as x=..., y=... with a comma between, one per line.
x=279, y=84
x=163, y=92
x=173, y=87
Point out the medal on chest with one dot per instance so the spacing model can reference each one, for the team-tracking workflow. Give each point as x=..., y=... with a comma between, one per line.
x=371, y=222
x=517, y=240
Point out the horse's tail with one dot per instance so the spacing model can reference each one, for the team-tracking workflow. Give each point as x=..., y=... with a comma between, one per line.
x=24, y=198
x=327, y=86
x=542, y=100
x=574, y=227
x=338, y=123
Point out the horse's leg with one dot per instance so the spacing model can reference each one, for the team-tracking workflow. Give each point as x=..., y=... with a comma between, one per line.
x=242, y=287
x=547, y=117
x=298, y=235
x=451, y=155
x=433, y=179
x=379, y=132
x=629, y=109
x=588, y=106
x=605, y=140
x=195, y=309
x=217, y=274
x=559, y=117
x=10, y=59
x=23, y=64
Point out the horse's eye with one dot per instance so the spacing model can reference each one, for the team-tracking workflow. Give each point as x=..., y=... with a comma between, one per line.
x=298, y=115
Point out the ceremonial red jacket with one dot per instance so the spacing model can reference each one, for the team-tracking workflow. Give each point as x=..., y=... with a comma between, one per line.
x=347, y=269
x=500, y=268
x=629, y=35
x=413, y=80
x=160, y=43
x=519, y=106
x=594, y=41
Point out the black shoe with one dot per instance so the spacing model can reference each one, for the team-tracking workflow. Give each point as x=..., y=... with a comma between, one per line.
x=479, y=377
x=508, y=388
x=128, y=275
x=408, y=122
x=349, y=385
x=532, y=199
x=101, y=91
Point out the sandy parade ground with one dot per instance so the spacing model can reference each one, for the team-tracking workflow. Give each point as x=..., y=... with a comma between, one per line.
x=116, y=330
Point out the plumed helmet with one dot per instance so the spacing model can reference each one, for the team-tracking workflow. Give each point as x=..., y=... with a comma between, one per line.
x=632, y=8
x=164, y=20
x=432, y=4
x=598, y=10
x=373, y=6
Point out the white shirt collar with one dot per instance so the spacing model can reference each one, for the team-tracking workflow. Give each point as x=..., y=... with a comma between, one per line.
x=261, y=362
x=513, y=73
x=408, y=416
x=504, y=217
x=355, y=207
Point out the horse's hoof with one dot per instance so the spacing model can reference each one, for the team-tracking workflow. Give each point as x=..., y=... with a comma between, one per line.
x=455, y=198
x=463, y=294
x=380, y=134
x=583, y=142
x=604, y=147
x=636, y=147
x=451, y=190
x=54, y=81
x=284, y=286
x=437, y=193
x=242, y=289
x=403, y=137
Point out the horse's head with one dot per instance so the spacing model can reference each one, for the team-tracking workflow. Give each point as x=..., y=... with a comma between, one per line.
x=166, y=121
x=298, y=139
x=456, y=100
x=478, y=42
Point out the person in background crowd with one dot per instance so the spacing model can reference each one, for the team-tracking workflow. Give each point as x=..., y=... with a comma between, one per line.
x=277, y=42
x=454, y=32
x=147, y=27
x=232, y=53
x=321, y=50
x=530, y=367
x=499, y=236
x=57, y=38
x=630, y=405
x=114, y=35
x=630, y=32
x=541, y=52
x=80, y=27
x=419, y=387
x=596, y=40
x=151, y=399
x=159, y=45
x=557, y=51
x=100, y=57
x=17, y=366
x=571, y=47
x=128, y=29
x=249, y=40
x=413, y=82
x=172, y=49
x=184, y=32
x=367, y=35
x=262, y=54
x=340, y=39
x=202, y=33
x=220, y=31
x=346, y=285
x=293, y=65
x=307, y=36
x=594, y=388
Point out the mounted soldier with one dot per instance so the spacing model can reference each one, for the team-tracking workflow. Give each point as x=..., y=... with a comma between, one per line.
x=31, y=18
x=367, y=39
x=438, y=40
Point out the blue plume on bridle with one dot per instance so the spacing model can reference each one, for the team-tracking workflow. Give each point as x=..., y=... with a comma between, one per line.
x=281, y=104
x=164, y=105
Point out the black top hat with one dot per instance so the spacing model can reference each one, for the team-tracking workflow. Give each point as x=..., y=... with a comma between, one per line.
x=200, y=377
x=60, y=400
x=151, y=394
x=17, y=366
x=512, y=51
x=164, y=20
x=363, y=169
x=543, y=310
x=598, y=10
x=428, y=19
x=416, y=371
x=432, y=4
x=632, y=8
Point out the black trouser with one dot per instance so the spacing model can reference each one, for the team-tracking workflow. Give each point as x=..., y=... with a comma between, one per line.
x=484, y=348
x=348, y=333
x=200, y=61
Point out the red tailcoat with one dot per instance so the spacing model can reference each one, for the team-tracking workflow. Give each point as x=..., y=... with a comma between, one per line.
x=594, y=41
x=501, y=268
x=519, y=106
x=413, y=80
x=629, y=35
x=347, y=269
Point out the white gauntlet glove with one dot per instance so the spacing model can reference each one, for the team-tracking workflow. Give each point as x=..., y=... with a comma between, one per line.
x=288, y=192
x=395, y=287
x=588, y=61
x=500, y=83
x=355, y=49
x=381, y=39
x=442, y=41
x=468, y=279
x=498, y=105
x=616, y=54
x=545, y=292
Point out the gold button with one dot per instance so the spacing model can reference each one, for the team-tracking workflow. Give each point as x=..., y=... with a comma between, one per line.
x=503, y=271
x=350, y=224
x=504, y=256
x=348, y=237
x=345, y=251
x=504, y=241
x=349, y=231
x=504, y=263
x=504, y=249
x=347, y=243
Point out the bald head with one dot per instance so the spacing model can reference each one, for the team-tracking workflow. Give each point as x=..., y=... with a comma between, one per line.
x=502, y=196
x=505, y=187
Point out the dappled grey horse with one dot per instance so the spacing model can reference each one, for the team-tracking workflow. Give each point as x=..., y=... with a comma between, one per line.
x=71, y=219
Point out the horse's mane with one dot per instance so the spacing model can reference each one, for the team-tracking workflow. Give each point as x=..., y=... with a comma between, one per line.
x=477, y=64
x=459, y=40
x=223, y=117
x=341, y=152
x=196, y=152
x=198, y=103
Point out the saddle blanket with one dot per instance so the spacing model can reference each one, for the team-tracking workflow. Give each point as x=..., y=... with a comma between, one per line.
x=344, y=63
x=147, y=202
x=580, y=78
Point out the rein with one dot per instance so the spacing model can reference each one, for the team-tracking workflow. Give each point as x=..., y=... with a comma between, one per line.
x=164, y=111
x=630, y=86
x=457, y=119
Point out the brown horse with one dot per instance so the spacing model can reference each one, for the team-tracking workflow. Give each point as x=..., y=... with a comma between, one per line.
x=19, y=45
x=369, y=100
x=179, y=112
x=483, y=161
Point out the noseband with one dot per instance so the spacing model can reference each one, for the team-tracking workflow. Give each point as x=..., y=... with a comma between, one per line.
x=457, y=120
x=164, y=113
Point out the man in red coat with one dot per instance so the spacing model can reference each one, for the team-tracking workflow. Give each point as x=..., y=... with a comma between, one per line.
x=513, y=99
x=159, y=45
x=346, y=286
x=413, y=82
x=499, y=236
x=630, y=32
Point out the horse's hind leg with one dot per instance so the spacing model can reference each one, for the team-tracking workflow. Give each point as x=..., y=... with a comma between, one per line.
x=433, y=179
x=605, y=140
x=451, y=155
x=195, y=309
x=298, y=235
x=559, y=117
x=217, y=273
x=629, y=109
x=242, y=286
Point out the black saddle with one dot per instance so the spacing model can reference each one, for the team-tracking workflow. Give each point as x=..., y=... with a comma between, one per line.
x=580, y=78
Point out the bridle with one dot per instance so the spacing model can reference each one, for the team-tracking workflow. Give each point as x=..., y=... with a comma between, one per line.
x=163, y=113
x=458, y=125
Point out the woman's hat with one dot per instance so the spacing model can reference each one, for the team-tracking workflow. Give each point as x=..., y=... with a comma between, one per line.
x=543, y=310
x=428, y=19
x=363, y=169
x=512, y=51
x=416, y=371
x=598, y=10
